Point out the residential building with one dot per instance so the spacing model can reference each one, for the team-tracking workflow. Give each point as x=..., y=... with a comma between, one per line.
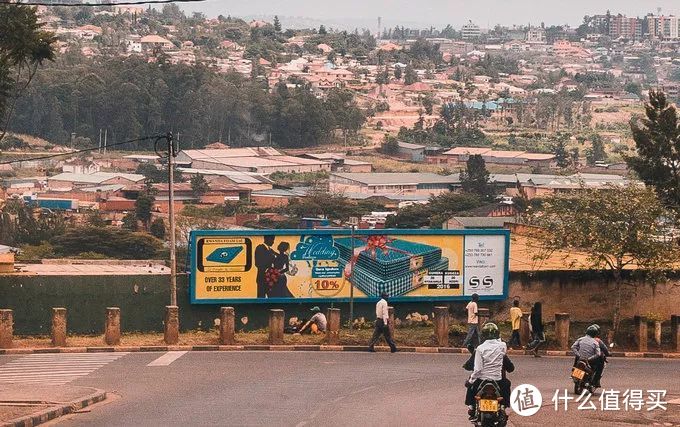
x=154, y=41
x=621, y=26
x=536, y=35
x=392, y=183
x=471, y=31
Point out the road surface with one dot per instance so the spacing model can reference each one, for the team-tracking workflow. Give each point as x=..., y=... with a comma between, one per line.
x=319, y=388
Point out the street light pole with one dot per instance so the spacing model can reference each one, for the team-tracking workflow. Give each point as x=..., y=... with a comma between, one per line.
x=171, y=213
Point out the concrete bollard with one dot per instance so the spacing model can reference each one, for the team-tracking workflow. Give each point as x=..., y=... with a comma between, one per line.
x=171, y=335
x=483, y=317
x=641, y=332
x=227, y=326
x=333, y=327
x=112, y=328
x=562, y=330
x=675, y=332
x=276, y=318
x=524, y=329
x=6, y=328
x=441, y=326
x=59, y=327
x=390, y=312
x=657, y=333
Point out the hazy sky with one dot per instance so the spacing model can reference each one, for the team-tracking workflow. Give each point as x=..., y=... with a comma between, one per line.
x=437, y=12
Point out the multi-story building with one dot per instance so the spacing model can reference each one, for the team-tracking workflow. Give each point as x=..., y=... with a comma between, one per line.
x=471, y=31
x=621, y=26
x=536, y=36
x=663, y=27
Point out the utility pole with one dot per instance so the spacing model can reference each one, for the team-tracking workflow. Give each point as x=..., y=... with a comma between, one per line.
x=171, y=212
x=351, y=286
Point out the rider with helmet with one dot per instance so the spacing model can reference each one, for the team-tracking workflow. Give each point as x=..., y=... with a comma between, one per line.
x=588, y=348
x=491, y=363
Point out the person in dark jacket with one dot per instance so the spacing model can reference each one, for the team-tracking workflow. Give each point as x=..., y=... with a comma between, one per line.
x=282, y=264
x=264, y=259
x=537, y=331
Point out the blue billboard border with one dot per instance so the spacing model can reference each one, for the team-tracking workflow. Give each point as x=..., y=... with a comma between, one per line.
x=195, y=234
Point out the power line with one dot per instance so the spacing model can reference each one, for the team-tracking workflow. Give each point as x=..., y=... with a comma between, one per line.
x=84, y=150
x=122, y=3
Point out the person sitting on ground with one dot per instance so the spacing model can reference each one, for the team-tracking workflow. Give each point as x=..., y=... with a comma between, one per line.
x=587, y=348
x=317, y=324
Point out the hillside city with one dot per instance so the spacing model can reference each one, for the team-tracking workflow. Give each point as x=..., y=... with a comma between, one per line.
x=360, y=128
x=216, y=218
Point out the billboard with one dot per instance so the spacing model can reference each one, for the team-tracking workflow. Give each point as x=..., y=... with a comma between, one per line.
x=252, y=266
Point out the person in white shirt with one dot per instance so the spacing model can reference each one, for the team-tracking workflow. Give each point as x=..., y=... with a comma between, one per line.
x=382, y=319
x=473, y=324
x=491, y=363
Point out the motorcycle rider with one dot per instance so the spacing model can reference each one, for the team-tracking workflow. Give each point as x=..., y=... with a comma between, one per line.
x=491, y=362
x=588, y=348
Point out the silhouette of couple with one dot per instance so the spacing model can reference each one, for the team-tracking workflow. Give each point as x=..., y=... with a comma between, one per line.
x=272, y=267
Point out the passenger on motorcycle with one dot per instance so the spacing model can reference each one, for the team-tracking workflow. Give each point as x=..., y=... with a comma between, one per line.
x=490, y=363
x=589, y=349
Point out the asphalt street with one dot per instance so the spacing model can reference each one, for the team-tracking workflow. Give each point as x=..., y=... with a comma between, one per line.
x=336, y=389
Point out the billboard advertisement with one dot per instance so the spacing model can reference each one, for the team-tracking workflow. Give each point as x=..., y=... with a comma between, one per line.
x=253, y=266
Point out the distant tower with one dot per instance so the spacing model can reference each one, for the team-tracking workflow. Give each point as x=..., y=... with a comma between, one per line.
x=379, y=28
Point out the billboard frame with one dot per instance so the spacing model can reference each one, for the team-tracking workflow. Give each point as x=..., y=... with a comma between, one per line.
x=195, y=234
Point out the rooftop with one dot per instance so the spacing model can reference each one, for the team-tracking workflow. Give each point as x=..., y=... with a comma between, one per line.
x=95, y=178
x=397, y=178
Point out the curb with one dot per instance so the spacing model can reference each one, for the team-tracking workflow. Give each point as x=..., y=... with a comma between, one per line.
x=309, y=347
x=58, y=411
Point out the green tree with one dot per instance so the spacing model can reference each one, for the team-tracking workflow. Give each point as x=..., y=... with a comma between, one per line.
x=475, y=179
x=95, y=219
x=657, y=140
x=157, y=228
x=24, y=46
x=130, y=222
x=618, y=227
x=322, y=30
x=199, y=186
x=277, y=24
x=410, y=75
x=414, y=216
x=596, y=152
x=110, y=242
x=390, y=145
x=560, y=152
x=144, y=206
x=398, y=72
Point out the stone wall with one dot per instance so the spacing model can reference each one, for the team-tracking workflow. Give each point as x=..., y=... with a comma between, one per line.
x=585, y=296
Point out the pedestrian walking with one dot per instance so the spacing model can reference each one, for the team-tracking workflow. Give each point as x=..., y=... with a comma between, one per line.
x=382, y=319
x=515, y=320
x=473, y=324
x=537, y=332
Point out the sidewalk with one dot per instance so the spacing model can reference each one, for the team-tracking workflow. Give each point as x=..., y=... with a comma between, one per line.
x=29, y=405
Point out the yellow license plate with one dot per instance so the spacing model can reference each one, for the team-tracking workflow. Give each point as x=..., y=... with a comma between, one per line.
x=487, y=405
x=578, y=374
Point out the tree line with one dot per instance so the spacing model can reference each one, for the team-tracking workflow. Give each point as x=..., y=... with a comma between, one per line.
x=130, y=98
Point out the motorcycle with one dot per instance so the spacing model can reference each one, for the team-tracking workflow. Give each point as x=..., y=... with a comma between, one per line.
x=582, y=375
x=489, y=407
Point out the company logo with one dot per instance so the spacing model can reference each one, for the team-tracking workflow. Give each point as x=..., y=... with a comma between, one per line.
x=224, y=255
x=484, y=282
x=526, y=400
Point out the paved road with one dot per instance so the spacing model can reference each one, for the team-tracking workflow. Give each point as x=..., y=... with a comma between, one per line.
x=334, y=389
